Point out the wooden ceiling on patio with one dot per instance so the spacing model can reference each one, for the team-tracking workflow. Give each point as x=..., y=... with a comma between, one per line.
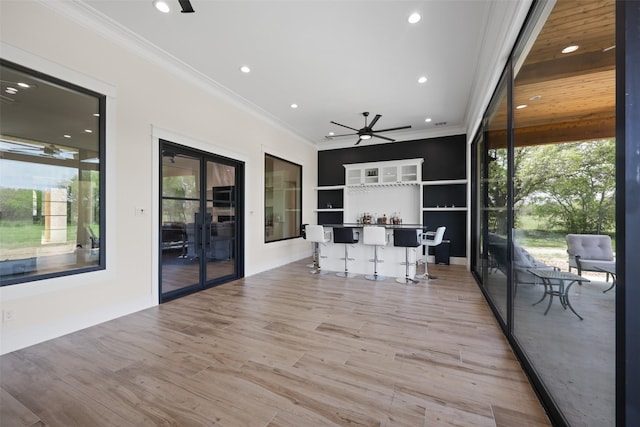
x=568, y=97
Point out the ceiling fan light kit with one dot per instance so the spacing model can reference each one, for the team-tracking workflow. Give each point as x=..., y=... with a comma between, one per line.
x=162, y=6
x=367, y=131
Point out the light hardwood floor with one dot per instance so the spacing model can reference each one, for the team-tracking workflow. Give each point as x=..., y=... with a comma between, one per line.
x=282, y=348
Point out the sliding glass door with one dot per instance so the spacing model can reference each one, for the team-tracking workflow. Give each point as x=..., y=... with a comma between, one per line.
x=200, y=220
x=545, y=170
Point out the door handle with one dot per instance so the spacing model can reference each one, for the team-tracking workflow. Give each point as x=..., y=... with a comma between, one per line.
x=198, y=236
x=207, y=235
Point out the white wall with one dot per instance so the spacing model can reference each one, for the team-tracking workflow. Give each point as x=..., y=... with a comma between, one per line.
x=145, y=102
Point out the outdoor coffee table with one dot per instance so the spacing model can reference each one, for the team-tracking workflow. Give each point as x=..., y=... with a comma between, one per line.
x=559, y=278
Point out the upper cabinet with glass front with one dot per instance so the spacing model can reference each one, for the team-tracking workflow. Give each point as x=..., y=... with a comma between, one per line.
x=393, y=172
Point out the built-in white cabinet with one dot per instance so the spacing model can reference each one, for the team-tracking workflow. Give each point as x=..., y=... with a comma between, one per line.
x=384, y=173
x=383, y=190
x=386, y=189
x=354, y=176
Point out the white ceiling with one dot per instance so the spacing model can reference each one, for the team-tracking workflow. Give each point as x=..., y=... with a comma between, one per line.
x=335, y=59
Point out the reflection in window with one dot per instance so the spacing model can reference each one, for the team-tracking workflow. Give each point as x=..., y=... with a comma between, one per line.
x=564, y=182
x=50, y=180
x=496, y=200
x=282, y=199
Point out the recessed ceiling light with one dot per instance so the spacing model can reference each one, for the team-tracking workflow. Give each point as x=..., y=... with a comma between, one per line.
x=88, y=131
x=245, y=69
x=570, y=49
x=521, y=106
x=414, y=18
x=331, y=133
x=294, y=106
x=24, y=85
x=535, y=98
x=162, y=6
x=428, y=120
x=422, y=79
x=67, y=135
x=11, y=90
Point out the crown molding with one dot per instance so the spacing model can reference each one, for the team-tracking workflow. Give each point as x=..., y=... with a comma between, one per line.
x=493, y=57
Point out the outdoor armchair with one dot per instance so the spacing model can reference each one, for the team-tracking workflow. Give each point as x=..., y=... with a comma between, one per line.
x=590, y=252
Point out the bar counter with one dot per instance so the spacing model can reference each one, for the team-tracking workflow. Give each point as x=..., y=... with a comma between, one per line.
x=332, y=254
x=389, y=226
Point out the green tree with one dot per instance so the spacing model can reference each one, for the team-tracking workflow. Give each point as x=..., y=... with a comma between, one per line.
x=16, y=204
x=524, y=184
x=497, y=196
x=572, y=185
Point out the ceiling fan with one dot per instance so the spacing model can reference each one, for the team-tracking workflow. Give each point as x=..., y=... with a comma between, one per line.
x=31, y=149
x=367, y=131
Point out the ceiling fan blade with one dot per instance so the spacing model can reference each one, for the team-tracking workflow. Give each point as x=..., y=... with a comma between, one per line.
x=186, y=6
x=358, y=142
x=344, y=134
x=383, y=137
x=344, y=126
x=390, y=129
x=375, y=119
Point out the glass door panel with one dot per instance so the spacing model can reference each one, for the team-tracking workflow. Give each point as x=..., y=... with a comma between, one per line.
x=199, y=224
x=180, y=264
x=564, y=183
x=496, y=201
x=354, y=177
x=390, y=174
x=221, y=223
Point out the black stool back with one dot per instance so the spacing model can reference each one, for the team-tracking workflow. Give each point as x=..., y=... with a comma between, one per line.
x=406, y=238
x=345, y=235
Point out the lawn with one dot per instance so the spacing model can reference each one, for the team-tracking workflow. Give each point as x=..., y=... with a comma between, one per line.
x=17, y=235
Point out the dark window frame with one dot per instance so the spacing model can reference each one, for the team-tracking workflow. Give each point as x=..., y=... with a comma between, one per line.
x=298, y=205
x=102, y=104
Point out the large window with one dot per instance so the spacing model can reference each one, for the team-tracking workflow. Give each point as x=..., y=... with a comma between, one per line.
x=496, y=200
x=51, y=182
x=282, y=199
x=548, y=157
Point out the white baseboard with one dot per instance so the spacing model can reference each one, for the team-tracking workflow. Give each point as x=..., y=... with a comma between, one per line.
x=24, y=337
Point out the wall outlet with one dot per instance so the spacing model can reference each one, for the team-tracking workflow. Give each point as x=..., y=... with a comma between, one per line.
x=8, y=315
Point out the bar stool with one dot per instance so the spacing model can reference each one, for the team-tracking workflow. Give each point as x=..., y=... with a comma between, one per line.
x=406, y=238
x=316, y=235
x=377, y=237
x=346, y=236
x=303, y=232
x=431, y=239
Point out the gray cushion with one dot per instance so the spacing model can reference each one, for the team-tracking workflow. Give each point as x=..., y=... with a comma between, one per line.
x=522, y=258
x=590, y=246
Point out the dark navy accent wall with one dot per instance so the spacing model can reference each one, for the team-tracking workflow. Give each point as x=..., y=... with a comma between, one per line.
x=444, y=159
